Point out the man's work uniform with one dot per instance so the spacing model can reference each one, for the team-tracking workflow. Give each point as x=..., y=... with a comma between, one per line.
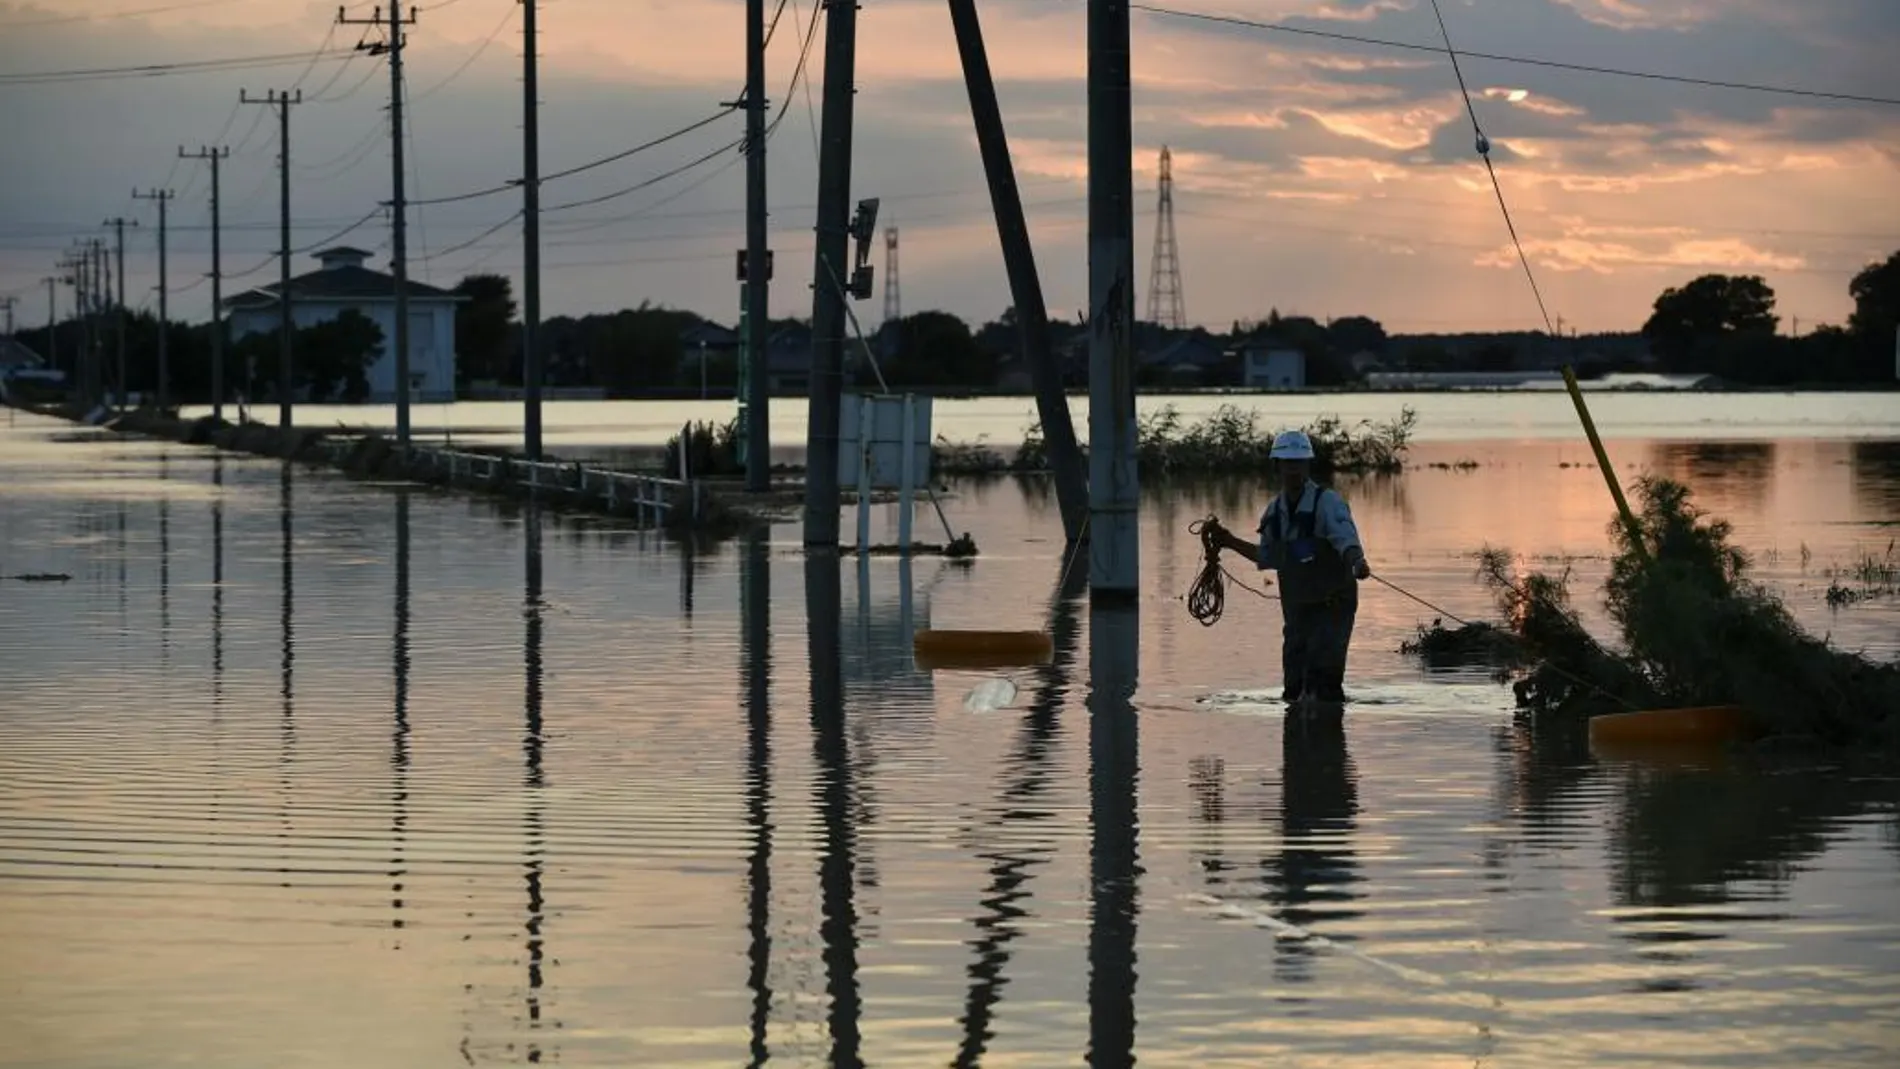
x=1312, y=550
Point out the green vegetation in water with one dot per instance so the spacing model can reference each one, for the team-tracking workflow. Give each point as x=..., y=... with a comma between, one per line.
x=1695, y=629
x=1471, y=645
x=1229, y=440
x=1871, y=577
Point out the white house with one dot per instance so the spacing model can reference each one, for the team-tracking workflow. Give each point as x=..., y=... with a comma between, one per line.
x=1272, y=369
x=344, y=283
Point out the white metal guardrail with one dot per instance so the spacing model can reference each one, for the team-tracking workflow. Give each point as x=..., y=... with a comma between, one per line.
x=652, y=497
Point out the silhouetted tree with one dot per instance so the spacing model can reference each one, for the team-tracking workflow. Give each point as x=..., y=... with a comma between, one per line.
x=484, y=335
x=1708, y=307
x=1876, y=293
x=1353, y=334
x=937, y=349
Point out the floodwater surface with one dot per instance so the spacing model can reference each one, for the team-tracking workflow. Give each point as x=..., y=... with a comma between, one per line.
x=301, y=771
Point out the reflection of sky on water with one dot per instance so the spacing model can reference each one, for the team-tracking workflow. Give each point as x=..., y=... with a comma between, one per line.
x=498, y=784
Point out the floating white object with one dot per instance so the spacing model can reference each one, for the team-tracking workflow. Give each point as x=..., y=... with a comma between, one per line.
x=990, y=695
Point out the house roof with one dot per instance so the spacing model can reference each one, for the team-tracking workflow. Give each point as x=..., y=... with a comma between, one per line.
x=341, y=283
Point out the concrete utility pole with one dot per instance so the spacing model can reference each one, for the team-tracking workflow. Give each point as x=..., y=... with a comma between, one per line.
x=398, y=232
x=531, y=371
x=118, y=225
x=9, y=302
x=282, y=101
x=828, y=278
x=52, y=320
x=163, y=197
x=1114, y=547
x=1025, y=286
x=99, y=290
x=758, y=275
x=217, y=281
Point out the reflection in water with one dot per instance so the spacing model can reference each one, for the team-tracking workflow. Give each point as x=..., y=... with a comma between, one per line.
x=288, y=730
x=164, y=568
x=399, y=738
x=1311, y=878
x=838, y=927
x=1114, y=759
x=1011, y=868
x=1727, y=474
x=533, y=777
x=755, y=645
x=1875, y=477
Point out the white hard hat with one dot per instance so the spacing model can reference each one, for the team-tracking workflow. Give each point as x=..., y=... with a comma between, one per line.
x=1292, y=445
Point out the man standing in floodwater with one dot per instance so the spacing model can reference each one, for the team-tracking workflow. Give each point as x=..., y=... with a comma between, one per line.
x=1308, y=538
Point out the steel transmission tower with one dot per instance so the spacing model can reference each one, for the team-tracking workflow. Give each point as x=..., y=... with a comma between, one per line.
x=893, y=293
x=1165, y=305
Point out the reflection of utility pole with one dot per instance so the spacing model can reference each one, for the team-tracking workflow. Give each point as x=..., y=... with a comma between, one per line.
x=282, y=101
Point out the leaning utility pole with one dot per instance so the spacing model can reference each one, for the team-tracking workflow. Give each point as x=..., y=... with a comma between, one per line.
x=1025, y=286
x=282, y=101
x=828, y=295
x=118, y=225
x=531, y=373
x=399, y=248
x=758, y=274
x=162, y=196
x=1114, y=548
x=217, y=281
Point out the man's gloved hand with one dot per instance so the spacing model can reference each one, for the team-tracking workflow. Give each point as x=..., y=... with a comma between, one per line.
x=1360, y=569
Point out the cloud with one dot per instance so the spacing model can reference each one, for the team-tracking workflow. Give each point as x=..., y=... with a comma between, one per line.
x=1312, y=173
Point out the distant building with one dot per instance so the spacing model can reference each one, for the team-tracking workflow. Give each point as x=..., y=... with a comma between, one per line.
x=1263, y=367
x=343, y=284
x=1192, y=359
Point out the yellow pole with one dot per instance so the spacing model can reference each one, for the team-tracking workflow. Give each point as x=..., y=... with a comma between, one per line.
x=1603, y=463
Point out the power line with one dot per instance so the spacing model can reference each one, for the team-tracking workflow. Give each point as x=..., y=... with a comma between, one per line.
x=506, y=18
x=661, y=140
x=155, y=70
x=648, y=183
x=1484, y=151
x=61, y=20
x=1235, y=20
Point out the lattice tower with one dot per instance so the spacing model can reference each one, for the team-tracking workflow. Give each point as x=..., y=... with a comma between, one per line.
x=1165, y=302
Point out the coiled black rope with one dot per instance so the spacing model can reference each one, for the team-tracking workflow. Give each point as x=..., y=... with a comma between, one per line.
x=1207, y=598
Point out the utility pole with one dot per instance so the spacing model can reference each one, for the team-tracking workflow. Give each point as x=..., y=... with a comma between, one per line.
x=531, y=373
x=52, y=320
x=1114, y=547
x=217, y=281
x=9, y=301
x=163, y=197
x=828, y=296
x=1025, y=286
x=399, y=255
x=755, y=296
x=100, y=291
x=282, y=101
x=118, y=225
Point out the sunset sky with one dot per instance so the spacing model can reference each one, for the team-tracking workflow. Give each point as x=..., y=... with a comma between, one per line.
x=1314, y=175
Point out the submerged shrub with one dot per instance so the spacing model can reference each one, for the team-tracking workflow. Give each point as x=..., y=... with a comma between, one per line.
x=1232, y=440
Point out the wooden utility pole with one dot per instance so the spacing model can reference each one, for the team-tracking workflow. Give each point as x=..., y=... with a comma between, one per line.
x=531, y=371
x=399, y=247
x=118, y=225
x=282, y=101
x=1114, y=546
x=217, y=281
x=828, y=278
x=163, y=197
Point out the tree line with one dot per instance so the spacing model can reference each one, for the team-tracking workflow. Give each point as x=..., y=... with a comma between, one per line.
x=1722, y=325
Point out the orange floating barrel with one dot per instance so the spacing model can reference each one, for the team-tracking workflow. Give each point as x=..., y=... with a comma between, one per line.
x=981, y=649
x=1700, y=726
